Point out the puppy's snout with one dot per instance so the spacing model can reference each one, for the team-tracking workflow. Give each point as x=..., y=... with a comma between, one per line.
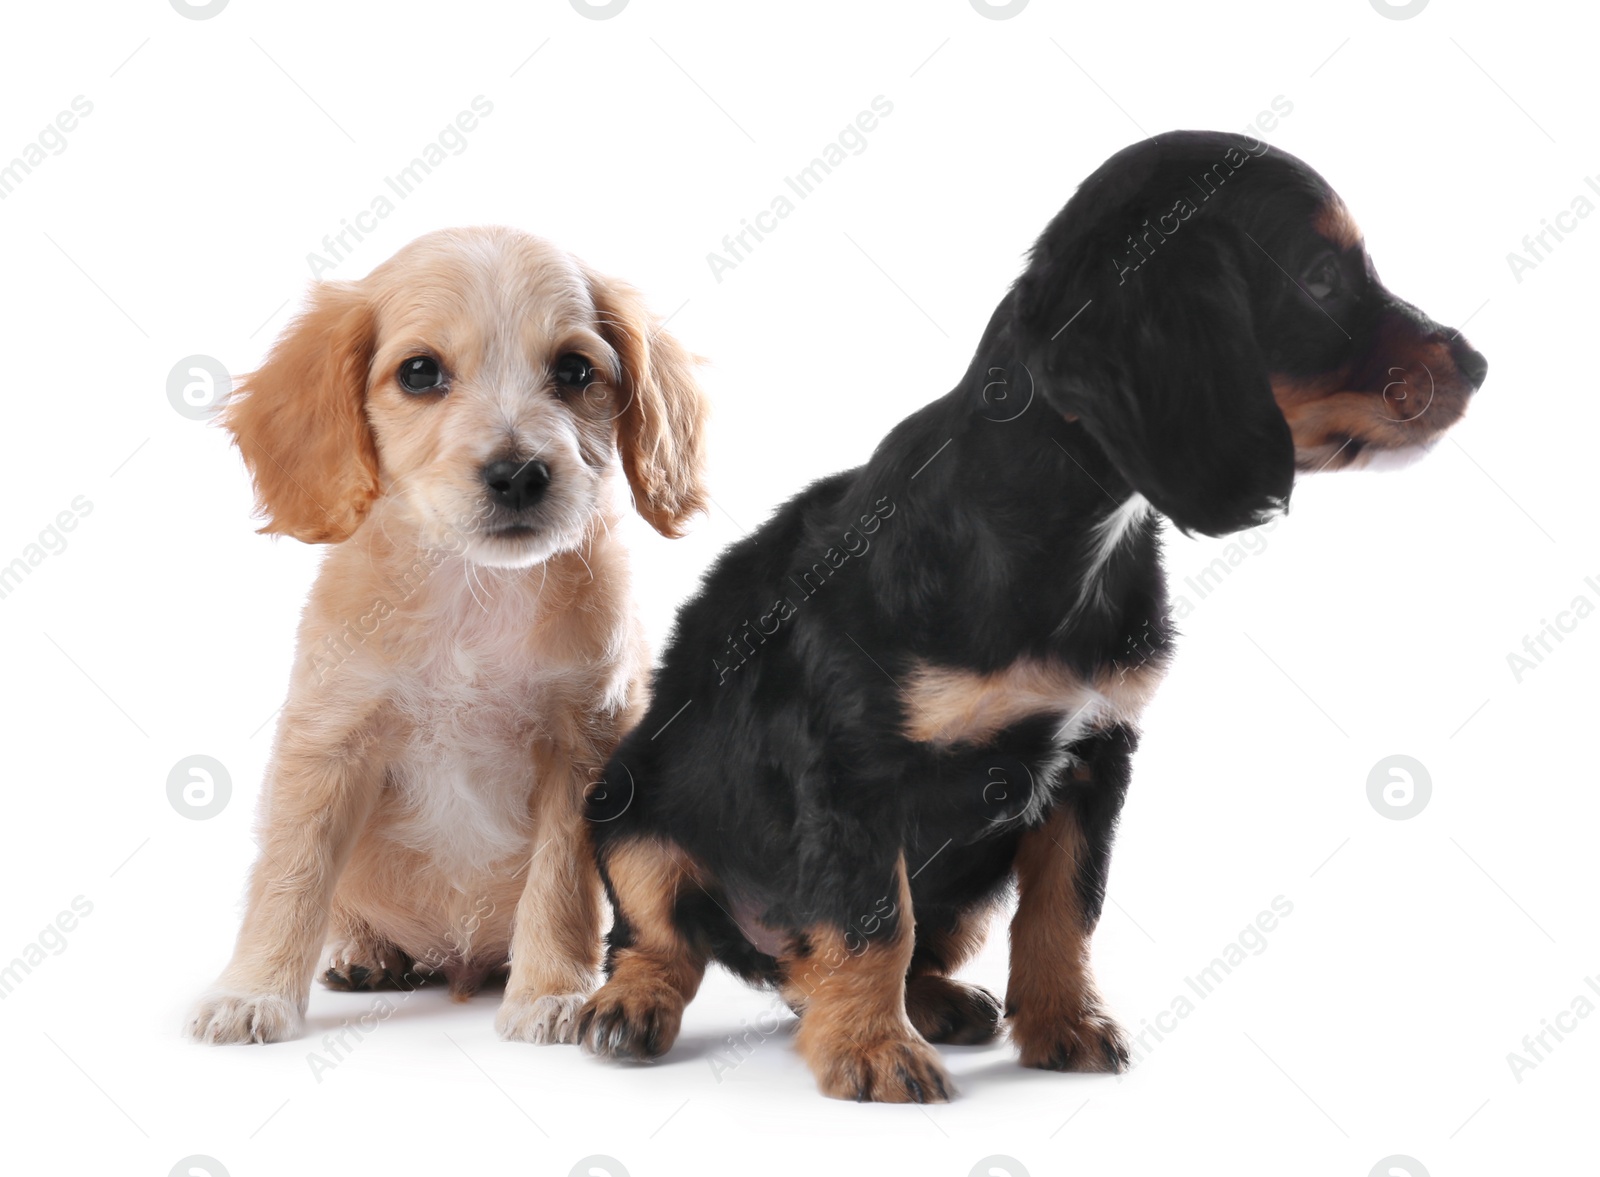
x=1470, y=363
x=516, y=483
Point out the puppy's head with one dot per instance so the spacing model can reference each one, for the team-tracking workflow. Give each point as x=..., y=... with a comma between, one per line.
x=482, y=383
x=1205, y=305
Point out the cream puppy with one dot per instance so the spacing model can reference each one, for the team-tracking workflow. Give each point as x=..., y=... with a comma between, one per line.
x=463, y=427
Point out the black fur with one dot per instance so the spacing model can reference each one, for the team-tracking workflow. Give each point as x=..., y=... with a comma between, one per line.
x=772, y=752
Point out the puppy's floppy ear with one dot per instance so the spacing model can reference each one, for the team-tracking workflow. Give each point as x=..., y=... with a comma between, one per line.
x=1164, y=371
x=661, y=427
x=300, y=420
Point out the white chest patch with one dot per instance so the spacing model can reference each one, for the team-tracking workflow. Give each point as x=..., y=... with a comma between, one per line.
x=1104, y=540
x=464, y=778
x=472, y=698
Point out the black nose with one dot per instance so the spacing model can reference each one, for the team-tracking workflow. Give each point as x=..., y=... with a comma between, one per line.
x=517, y=483
x=1471, y=364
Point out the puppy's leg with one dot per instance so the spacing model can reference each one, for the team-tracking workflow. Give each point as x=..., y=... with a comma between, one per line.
x=851, y=989
x=655, y=966
x=1057, y=1018
x=941, y=1008
x=555, y=940
x=319, y=798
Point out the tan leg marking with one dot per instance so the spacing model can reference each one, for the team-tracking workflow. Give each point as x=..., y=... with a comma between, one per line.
x=854, y=1032
x=1057, y=1018
x=637, y=1013
x=941, y=1008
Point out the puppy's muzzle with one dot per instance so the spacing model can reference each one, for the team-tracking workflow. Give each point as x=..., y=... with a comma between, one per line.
x=1470, y=363
x=516, y=484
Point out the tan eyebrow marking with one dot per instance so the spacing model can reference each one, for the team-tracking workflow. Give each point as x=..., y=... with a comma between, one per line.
x=1335, y=223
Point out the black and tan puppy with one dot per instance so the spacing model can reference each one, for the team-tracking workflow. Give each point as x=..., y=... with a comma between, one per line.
x=921, y=679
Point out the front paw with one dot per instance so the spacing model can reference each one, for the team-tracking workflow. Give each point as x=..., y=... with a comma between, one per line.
x=1081, y=1040
x=539, y=1018
x=222, y=1018
x=893, y=1070
x=630, y=1020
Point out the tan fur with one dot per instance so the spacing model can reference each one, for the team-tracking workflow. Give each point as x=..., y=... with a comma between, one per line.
x=945, y=706
x=1057, y=1018
x=454, y=692
x=942, y=1008
x=952, y=947
x=1408, y=406
x=1335, y=223
x=657, y=975
x=300, y=421
x=663, y=428
x=854, y=1032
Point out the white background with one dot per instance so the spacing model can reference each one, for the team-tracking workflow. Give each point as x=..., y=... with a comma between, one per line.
x=1376, y=620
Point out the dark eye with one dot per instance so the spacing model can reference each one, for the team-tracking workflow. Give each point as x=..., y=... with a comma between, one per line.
x=1323, y=280
x=421, y=374
x=573, y=371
